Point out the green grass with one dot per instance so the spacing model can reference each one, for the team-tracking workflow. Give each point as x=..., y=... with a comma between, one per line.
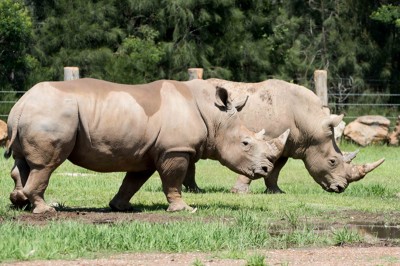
x=227, y=224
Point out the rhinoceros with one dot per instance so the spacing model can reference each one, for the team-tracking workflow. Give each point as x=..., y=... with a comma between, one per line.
x=162, y=126
x=277, y=105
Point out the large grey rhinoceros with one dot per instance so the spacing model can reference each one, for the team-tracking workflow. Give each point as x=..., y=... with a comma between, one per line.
x=162, y=126
x=278, y=105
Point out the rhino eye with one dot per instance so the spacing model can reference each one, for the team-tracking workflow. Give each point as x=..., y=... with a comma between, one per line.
x=332, y=162
x=246, y=145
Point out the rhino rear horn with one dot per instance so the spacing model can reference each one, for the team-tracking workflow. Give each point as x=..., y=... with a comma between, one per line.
x=332, y=121
x=349, y=156
x=260, y=135
x=278, y=143
x=359, y=171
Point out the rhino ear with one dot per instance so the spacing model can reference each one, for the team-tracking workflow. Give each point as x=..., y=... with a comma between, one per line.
x=222, y=99
x=241, y=103
x=278, y=144
x=332, y=121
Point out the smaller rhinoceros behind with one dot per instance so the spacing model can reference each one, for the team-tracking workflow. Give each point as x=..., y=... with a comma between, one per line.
x=277, y=105
x=164, y=126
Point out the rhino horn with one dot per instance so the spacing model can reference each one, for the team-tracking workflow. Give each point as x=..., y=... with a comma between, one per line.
x=359, y=171
x=332, y=121
x=260, y=135
x=278, y=143
x=349, y=156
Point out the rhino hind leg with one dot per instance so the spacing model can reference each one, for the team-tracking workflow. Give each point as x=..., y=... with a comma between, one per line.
x=172, y=168
x=35, y=187
x=132, y=182
x=271, y=182
x=19, y=174
x=190, y=180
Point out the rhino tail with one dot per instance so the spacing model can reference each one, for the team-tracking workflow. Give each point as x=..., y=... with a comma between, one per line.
x=14, y=132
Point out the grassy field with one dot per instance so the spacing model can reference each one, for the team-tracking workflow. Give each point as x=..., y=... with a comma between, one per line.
x=227, y=224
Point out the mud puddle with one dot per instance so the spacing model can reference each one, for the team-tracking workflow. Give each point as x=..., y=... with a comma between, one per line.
x=380, y=231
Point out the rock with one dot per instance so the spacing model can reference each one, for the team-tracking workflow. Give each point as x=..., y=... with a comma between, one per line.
x=394, y=136
x=369, y=129
x=3, y=133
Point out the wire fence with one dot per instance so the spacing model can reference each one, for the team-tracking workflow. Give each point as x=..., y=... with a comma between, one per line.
x=341, y=99
x=347, y=96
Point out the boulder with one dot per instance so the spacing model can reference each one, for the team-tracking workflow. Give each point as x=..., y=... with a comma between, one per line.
x=394, y=136
x=369, y=129
x=3, y=133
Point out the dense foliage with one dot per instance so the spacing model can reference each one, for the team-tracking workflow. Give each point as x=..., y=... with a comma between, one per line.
x=136, y=41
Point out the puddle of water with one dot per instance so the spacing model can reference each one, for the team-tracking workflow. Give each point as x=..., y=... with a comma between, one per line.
x=378, y=230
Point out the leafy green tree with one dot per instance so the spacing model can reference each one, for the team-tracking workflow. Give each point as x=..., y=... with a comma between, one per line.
x=137, y=59
x=389, y=17
x=15, y=35
x=75, y=33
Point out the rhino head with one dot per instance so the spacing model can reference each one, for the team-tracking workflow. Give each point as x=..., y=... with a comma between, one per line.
x=329, y=167
x=241, y=150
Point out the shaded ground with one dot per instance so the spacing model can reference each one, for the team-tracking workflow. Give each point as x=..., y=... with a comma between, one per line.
x=379, y=248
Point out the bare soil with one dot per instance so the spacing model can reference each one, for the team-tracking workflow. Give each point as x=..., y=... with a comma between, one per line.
x=373, y=251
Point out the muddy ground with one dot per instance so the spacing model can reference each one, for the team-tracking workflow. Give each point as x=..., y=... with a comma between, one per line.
x=381, y=246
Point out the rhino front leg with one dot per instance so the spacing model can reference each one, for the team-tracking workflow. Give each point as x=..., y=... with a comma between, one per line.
x=242, y=185
x=19, y=174
x=271, y=182
x=190, y=180
x=132, y=182
x=173, y=167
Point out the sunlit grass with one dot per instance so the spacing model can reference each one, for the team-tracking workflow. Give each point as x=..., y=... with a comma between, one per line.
x=224, y=221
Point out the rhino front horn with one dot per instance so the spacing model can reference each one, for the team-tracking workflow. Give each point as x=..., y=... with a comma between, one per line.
x=359, y=171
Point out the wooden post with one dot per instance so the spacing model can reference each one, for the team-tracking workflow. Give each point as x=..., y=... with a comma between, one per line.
x=195, y=73
x=71, y=73
x=321, y=85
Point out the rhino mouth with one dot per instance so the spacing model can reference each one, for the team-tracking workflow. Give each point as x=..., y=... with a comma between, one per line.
x=336, y=188
x=261, y=171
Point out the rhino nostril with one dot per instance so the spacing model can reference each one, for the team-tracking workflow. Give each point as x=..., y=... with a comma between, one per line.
x=340, y=189
x=265, y=169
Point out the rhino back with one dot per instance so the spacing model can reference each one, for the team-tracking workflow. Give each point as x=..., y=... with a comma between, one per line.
x=125, y=127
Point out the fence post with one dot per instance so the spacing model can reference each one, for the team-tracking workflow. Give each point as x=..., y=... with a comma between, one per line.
x=195, y=73
x=321, y=85
x=71, y=73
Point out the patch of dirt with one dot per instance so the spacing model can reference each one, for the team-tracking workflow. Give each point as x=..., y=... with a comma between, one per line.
x=96, y=216
x=351, y=256
x=371, y=252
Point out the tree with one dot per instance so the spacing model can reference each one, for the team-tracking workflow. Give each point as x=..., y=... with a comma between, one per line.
x=15, y=35
x=74, y=33
x=389, y=16
x=137, y=59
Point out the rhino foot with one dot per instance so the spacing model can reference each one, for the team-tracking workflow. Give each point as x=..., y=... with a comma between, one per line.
x=121, y=206
x=194, y=190
x=240, y=189
x=18, y=199
x=274, y=191
x=42, y=209
x=180, y=206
